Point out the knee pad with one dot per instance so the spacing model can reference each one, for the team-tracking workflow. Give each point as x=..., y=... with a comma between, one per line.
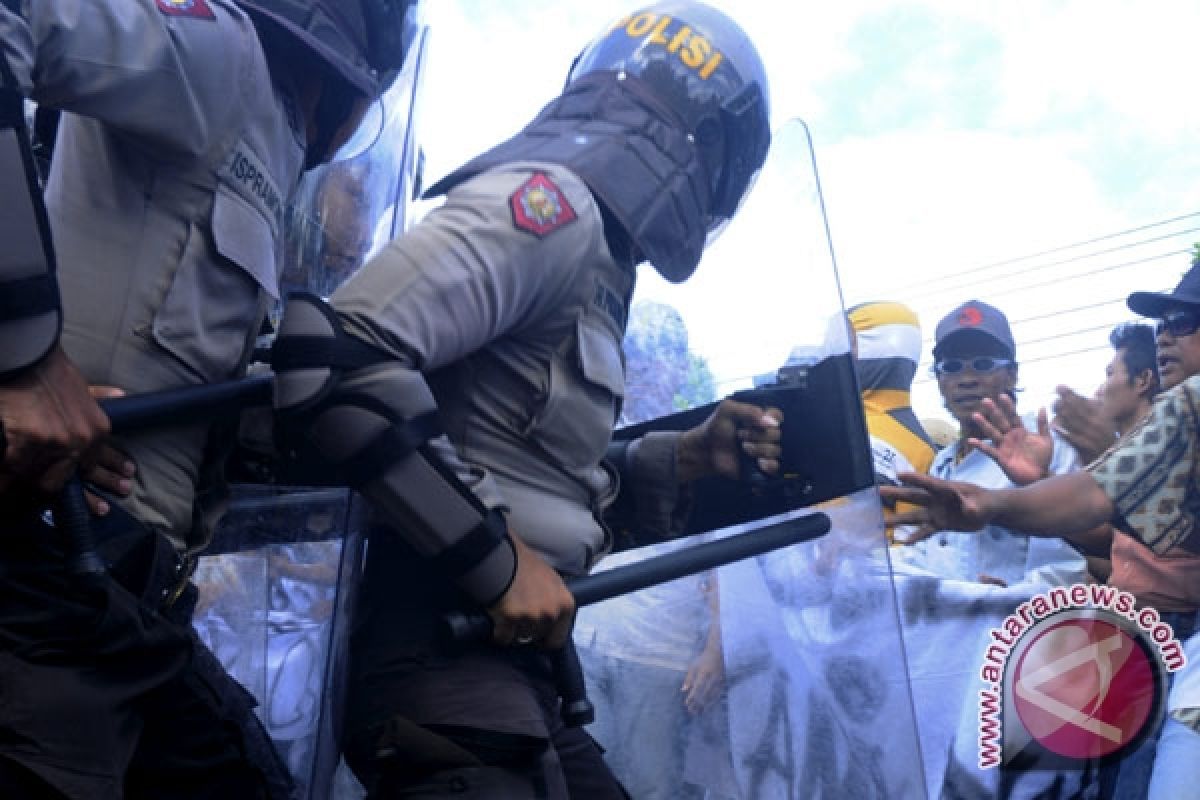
x=372, y=420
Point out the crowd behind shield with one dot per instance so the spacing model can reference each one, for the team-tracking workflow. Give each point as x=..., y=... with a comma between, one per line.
x=845, y=667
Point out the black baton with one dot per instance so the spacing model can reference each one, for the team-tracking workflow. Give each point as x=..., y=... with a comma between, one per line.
x=459, y=627
x=186, y=404
x=476, y=626
x=72, y=520
x=140, y=412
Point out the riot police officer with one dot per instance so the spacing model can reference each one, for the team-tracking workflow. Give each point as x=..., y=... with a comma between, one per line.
x=189, y=122
x=468, y=378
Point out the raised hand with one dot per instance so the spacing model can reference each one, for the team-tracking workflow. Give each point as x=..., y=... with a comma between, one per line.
x=1022, y=454
x=1084, y=425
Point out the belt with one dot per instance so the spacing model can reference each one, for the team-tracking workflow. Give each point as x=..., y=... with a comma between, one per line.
x=143, y=562
x=167, y=572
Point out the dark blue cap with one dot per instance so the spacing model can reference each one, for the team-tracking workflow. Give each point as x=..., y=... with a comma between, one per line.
x=1154, y=304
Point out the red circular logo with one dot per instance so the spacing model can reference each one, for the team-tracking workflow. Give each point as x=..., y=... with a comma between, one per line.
x=1085, y=687
x=970, y=317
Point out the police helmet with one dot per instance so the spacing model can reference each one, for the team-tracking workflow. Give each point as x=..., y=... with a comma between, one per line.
x=362, y=41
x=703, y=67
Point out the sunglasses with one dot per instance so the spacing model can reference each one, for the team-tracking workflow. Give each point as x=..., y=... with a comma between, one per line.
x=1179, y=322
x=951, y=366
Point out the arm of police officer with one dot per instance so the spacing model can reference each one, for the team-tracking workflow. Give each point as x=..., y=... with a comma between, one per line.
x=463, y=278
x=656, y=468
x=715, y=447
x=128, y=63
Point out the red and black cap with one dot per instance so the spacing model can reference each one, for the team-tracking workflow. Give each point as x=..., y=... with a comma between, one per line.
x=975, y=319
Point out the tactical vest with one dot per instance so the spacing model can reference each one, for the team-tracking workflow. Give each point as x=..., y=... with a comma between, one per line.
x=634, y=155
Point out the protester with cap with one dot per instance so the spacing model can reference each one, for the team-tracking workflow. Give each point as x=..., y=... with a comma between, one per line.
x=1144, y=486
x=1178, y=358
x=1178, y=315
x=975, y=363
x=1169, y=582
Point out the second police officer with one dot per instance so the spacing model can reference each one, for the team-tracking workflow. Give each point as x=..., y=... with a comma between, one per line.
x=468, y=379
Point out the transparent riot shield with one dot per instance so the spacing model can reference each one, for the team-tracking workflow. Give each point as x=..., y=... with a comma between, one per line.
x=783, y=676
x=274, y=601
x=345, y=211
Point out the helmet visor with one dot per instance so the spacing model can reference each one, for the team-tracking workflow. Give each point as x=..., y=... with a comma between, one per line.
x=345, y=211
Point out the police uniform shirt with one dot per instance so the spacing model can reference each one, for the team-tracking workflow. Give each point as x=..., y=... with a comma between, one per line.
x=508, y=299
x=165, y=198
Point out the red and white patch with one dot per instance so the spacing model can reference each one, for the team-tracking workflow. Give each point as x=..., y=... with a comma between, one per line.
x=185, y=8
x=539, y=206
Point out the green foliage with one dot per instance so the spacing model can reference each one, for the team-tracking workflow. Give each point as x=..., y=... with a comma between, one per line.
x=1196, y=254
x=699, y=387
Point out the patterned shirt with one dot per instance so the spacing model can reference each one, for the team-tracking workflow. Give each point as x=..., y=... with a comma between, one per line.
x=1150, y=475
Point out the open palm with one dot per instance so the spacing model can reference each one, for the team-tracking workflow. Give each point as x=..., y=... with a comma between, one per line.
x=1024, y=455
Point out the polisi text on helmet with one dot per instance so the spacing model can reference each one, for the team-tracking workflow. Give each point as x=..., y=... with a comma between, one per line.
x=695, y=51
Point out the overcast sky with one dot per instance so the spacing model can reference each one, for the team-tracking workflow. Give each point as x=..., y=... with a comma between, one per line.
x=949, y=135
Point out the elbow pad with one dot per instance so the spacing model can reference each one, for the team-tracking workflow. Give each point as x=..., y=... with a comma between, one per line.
x=30, y=310
x=371, y=419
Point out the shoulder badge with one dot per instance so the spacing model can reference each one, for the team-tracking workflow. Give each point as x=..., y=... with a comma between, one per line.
x=539, y=207
x=185, y=8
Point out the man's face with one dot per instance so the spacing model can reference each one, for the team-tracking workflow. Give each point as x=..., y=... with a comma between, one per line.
x=1119, y=398
x=1178, y=345
x=964, y=389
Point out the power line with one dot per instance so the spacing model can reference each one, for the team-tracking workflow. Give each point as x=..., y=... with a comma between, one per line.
x=1063, y=335
x=1049, y=314
x=1040, y=267
x=1088, y=274
x=1060, y=249
x=1066, y=247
